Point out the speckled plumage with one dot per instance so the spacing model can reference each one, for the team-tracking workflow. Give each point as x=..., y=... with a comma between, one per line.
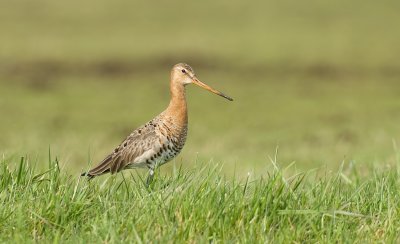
x=162, y=138
x=152, y=144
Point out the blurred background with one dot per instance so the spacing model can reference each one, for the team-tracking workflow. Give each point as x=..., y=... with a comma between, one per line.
x=317, y=79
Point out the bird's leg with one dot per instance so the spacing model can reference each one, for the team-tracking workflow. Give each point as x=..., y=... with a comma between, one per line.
x=150, y=177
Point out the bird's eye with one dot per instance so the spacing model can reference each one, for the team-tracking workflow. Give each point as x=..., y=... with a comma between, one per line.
x=184, y=71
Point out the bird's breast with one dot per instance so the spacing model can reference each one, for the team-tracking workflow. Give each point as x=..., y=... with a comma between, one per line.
x=172, y=140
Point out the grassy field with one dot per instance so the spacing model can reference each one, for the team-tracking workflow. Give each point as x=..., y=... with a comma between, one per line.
x=316, y=85
x=200, y=205
x=318, y=125
x=317, y=80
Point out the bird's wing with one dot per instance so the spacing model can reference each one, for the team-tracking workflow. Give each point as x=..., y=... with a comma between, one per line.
x=139, y=142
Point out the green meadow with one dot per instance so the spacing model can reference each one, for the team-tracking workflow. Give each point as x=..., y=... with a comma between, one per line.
x=316, y=101
x=199, y=206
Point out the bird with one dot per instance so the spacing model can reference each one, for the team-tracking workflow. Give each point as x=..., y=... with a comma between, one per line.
x=162, y=138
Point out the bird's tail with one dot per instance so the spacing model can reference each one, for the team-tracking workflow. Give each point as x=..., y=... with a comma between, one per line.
x=100, y=169
x=89, y=176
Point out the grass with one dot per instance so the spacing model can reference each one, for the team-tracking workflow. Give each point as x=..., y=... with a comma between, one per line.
x=228, y=32
x=199, y=205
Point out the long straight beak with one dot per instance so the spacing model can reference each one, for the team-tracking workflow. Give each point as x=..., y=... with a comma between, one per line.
x=208, y=88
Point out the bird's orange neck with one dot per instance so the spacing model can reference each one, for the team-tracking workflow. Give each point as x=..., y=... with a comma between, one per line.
x=177, y=107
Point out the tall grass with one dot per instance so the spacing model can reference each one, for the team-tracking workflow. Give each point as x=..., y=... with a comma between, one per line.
x=199, y=205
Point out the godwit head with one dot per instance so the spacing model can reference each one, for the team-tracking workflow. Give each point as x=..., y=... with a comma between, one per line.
x=182, y=74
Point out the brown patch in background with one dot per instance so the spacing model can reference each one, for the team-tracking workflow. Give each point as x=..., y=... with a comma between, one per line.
x=39, y=73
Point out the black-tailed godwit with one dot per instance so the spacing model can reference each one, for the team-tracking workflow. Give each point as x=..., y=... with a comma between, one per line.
x=162, y=138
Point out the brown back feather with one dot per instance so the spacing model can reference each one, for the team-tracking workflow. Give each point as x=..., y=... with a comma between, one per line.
x=141, y=140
